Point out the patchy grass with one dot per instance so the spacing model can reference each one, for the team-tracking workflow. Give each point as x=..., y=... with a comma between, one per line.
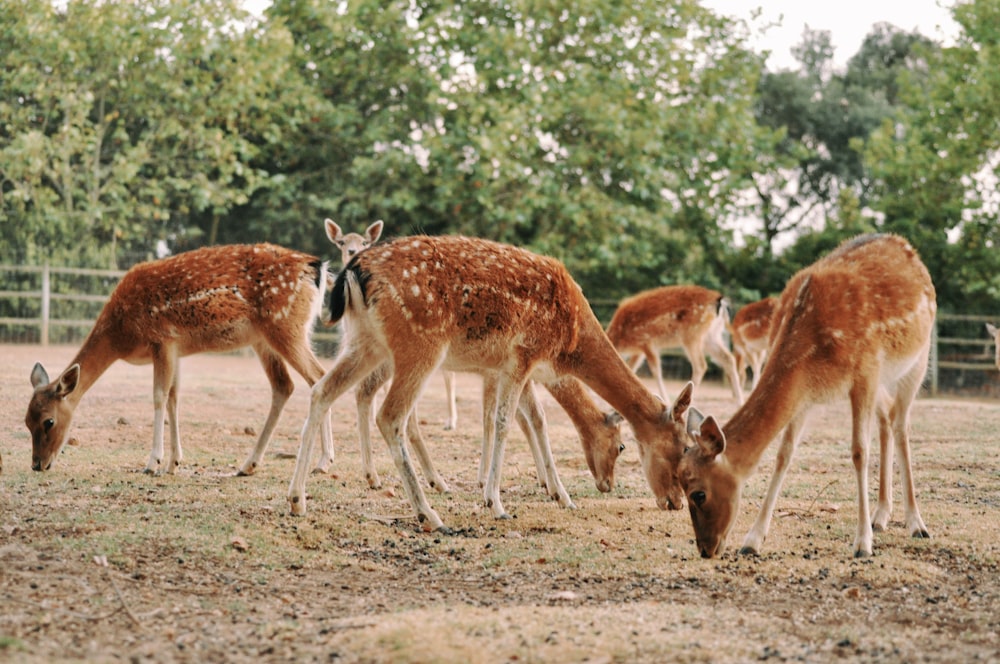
x=99, y=562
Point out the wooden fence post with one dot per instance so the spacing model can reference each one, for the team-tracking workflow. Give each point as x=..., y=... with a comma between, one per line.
x=933, y=359
x=46, y=300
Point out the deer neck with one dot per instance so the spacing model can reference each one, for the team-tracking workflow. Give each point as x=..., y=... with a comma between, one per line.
x=574, y=400
x=778, y=397
x=596, y=362
x=94, y=357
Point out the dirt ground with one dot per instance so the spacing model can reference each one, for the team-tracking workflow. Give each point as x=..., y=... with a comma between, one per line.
x=101, y=563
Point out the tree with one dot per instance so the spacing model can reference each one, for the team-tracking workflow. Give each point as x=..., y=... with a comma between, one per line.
x=124, y=121
x=604, y=136
x=934, y=164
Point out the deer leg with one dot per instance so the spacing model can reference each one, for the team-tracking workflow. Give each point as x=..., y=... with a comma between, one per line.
x=449, y=390
x=489, y=427
x=653, y=360
x=281, y=390
x=354, y=363
x=754, y=540
x=420, y=449
x=173, y=420
x=542, y=448
x=883, y=510
x=164, y=365
x=365, y=400
x=696, y=356
x=757, y=364
x=722, y=357
x=901, y=432
x=508, y=392
x=407, y=383
x=529, y=429
x=300, y=357
x=862, y=416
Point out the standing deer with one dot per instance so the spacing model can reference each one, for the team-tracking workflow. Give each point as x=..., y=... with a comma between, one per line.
x=856, y=323
x=600, y=433
x=475, y=305
x=749, y=331
x=691, y=317
x=995, y=333
x=352, y=243
x=207, y=300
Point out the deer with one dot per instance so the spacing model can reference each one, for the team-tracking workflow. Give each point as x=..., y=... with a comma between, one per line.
x=857, y=324
x=749, y=331
x=470, y=304
x=600, y=433
x=211, y=299
x=352, y=243
x=691, y=317
x=995, y=333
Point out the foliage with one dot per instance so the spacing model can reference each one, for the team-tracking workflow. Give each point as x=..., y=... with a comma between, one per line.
x=641, y=143
x=123, y=121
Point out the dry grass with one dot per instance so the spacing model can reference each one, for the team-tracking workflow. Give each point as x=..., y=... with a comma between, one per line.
x=99, y=562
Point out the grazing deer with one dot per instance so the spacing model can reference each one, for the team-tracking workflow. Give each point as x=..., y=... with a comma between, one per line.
x=476, y=305
x=600, y=433
x=857, y=323
x=352, y=243
x=691, y=317
x=995, y=333
x=206, y=300
x=749, y=331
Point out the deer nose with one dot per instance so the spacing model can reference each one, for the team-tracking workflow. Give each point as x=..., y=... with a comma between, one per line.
x=36, y=463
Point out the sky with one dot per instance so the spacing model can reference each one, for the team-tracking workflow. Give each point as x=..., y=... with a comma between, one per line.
x=848, y=22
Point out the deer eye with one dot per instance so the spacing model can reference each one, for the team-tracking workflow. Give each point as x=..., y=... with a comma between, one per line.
x=48, y=424
x=698, y=498
x=621, y=448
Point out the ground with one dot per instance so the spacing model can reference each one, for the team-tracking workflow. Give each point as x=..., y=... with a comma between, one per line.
x=100, y=562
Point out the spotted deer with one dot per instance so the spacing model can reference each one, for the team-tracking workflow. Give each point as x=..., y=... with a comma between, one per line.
x=600, y=433
x=995, y=333
x=352, y=243
x=475, y=305
x=691, y=317
x=207, y=300
x=855, y=324
x=749, y=332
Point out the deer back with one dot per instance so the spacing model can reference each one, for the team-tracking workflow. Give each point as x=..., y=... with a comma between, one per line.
x=480, y=299
x=664, y=317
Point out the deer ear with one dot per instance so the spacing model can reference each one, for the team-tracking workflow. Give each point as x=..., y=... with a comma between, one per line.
x=706, y=432
x=991, y=329
x=332, y=230
x=39, y=376
x=695, y=418
x=374, y=231
x=683, y=402
x=67, y=381
x=711, y=439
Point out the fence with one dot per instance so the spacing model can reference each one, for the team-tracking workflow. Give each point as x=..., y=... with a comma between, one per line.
x=44, y=304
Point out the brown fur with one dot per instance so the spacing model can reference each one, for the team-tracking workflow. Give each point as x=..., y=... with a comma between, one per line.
x=689, y=317
x=207, y=300
x=750, y=330
x=855, y=324
x=475, y=305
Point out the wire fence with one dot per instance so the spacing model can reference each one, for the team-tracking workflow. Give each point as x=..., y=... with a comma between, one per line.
x=43, y=304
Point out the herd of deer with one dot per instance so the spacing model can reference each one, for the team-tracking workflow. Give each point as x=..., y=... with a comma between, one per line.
x=855, y=324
